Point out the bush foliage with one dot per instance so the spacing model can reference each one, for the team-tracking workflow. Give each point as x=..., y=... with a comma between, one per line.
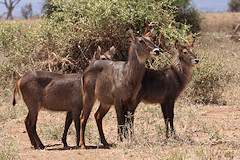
x=86, y=24
x=210, y=79
x=234, y=5
x=72, y=33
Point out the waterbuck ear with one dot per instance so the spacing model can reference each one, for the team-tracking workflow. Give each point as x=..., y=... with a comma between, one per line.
x=192, y=43
x=152, y=33
x=129, y=34
x=97, y=54
x=177, y=44
x=112, y=51
x=99, y=50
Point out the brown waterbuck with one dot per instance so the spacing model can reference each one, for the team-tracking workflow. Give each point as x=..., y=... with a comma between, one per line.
x=161, y=86
x=56, y=92
x=165, y=85
x=117, y=83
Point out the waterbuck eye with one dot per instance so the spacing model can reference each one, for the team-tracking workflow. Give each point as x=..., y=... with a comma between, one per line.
x=185, y=52
x=141, y=41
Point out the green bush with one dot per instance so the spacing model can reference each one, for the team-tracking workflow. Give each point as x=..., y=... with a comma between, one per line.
x=66, y=39
x=21, y=49
x=210, y=79
x=78, y=27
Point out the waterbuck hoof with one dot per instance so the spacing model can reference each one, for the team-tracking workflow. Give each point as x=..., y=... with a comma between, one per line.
x=105, y=144
x=64, y=143
x=83, y=147
x=40, y=147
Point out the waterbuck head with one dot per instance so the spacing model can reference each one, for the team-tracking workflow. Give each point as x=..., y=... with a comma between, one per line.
x=186, y=54
x=99, y=54
x=143, y=44
x=109, y=54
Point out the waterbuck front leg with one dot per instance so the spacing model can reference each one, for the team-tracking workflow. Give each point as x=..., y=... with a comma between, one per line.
x=171, y=116
x=68, y=122
x=166, y=119
x=120, y=109
x=101, y=112
x=168, y=113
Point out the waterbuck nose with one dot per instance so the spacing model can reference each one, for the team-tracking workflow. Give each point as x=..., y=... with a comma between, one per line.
x=156, y=51
x=196, y=61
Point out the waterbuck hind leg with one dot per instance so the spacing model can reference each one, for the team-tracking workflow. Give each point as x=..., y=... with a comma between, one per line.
x=101, y=112
x=30, y=135
x=68, y=122
x=33, y=120
x=88, y=101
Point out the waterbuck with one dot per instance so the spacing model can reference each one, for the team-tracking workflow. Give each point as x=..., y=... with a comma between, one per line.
x=117, y=83
x=165, y=85
x=56, y=92
x=161, y=86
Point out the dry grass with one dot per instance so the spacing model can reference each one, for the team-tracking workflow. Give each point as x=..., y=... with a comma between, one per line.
x=220, y=22
x=203, y=131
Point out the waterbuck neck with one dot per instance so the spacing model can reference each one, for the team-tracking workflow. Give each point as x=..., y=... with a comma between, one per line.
x=136, y=65
x=184, y=71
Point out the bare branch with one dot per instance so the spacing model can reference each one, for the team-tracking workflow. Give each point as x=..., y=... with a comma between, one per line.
x=16, y=2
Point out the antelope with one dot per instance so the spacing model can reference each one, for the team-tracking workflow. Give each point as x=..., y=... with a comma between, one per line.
x=165, y=85
x=55, y=92
x=115, y=83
